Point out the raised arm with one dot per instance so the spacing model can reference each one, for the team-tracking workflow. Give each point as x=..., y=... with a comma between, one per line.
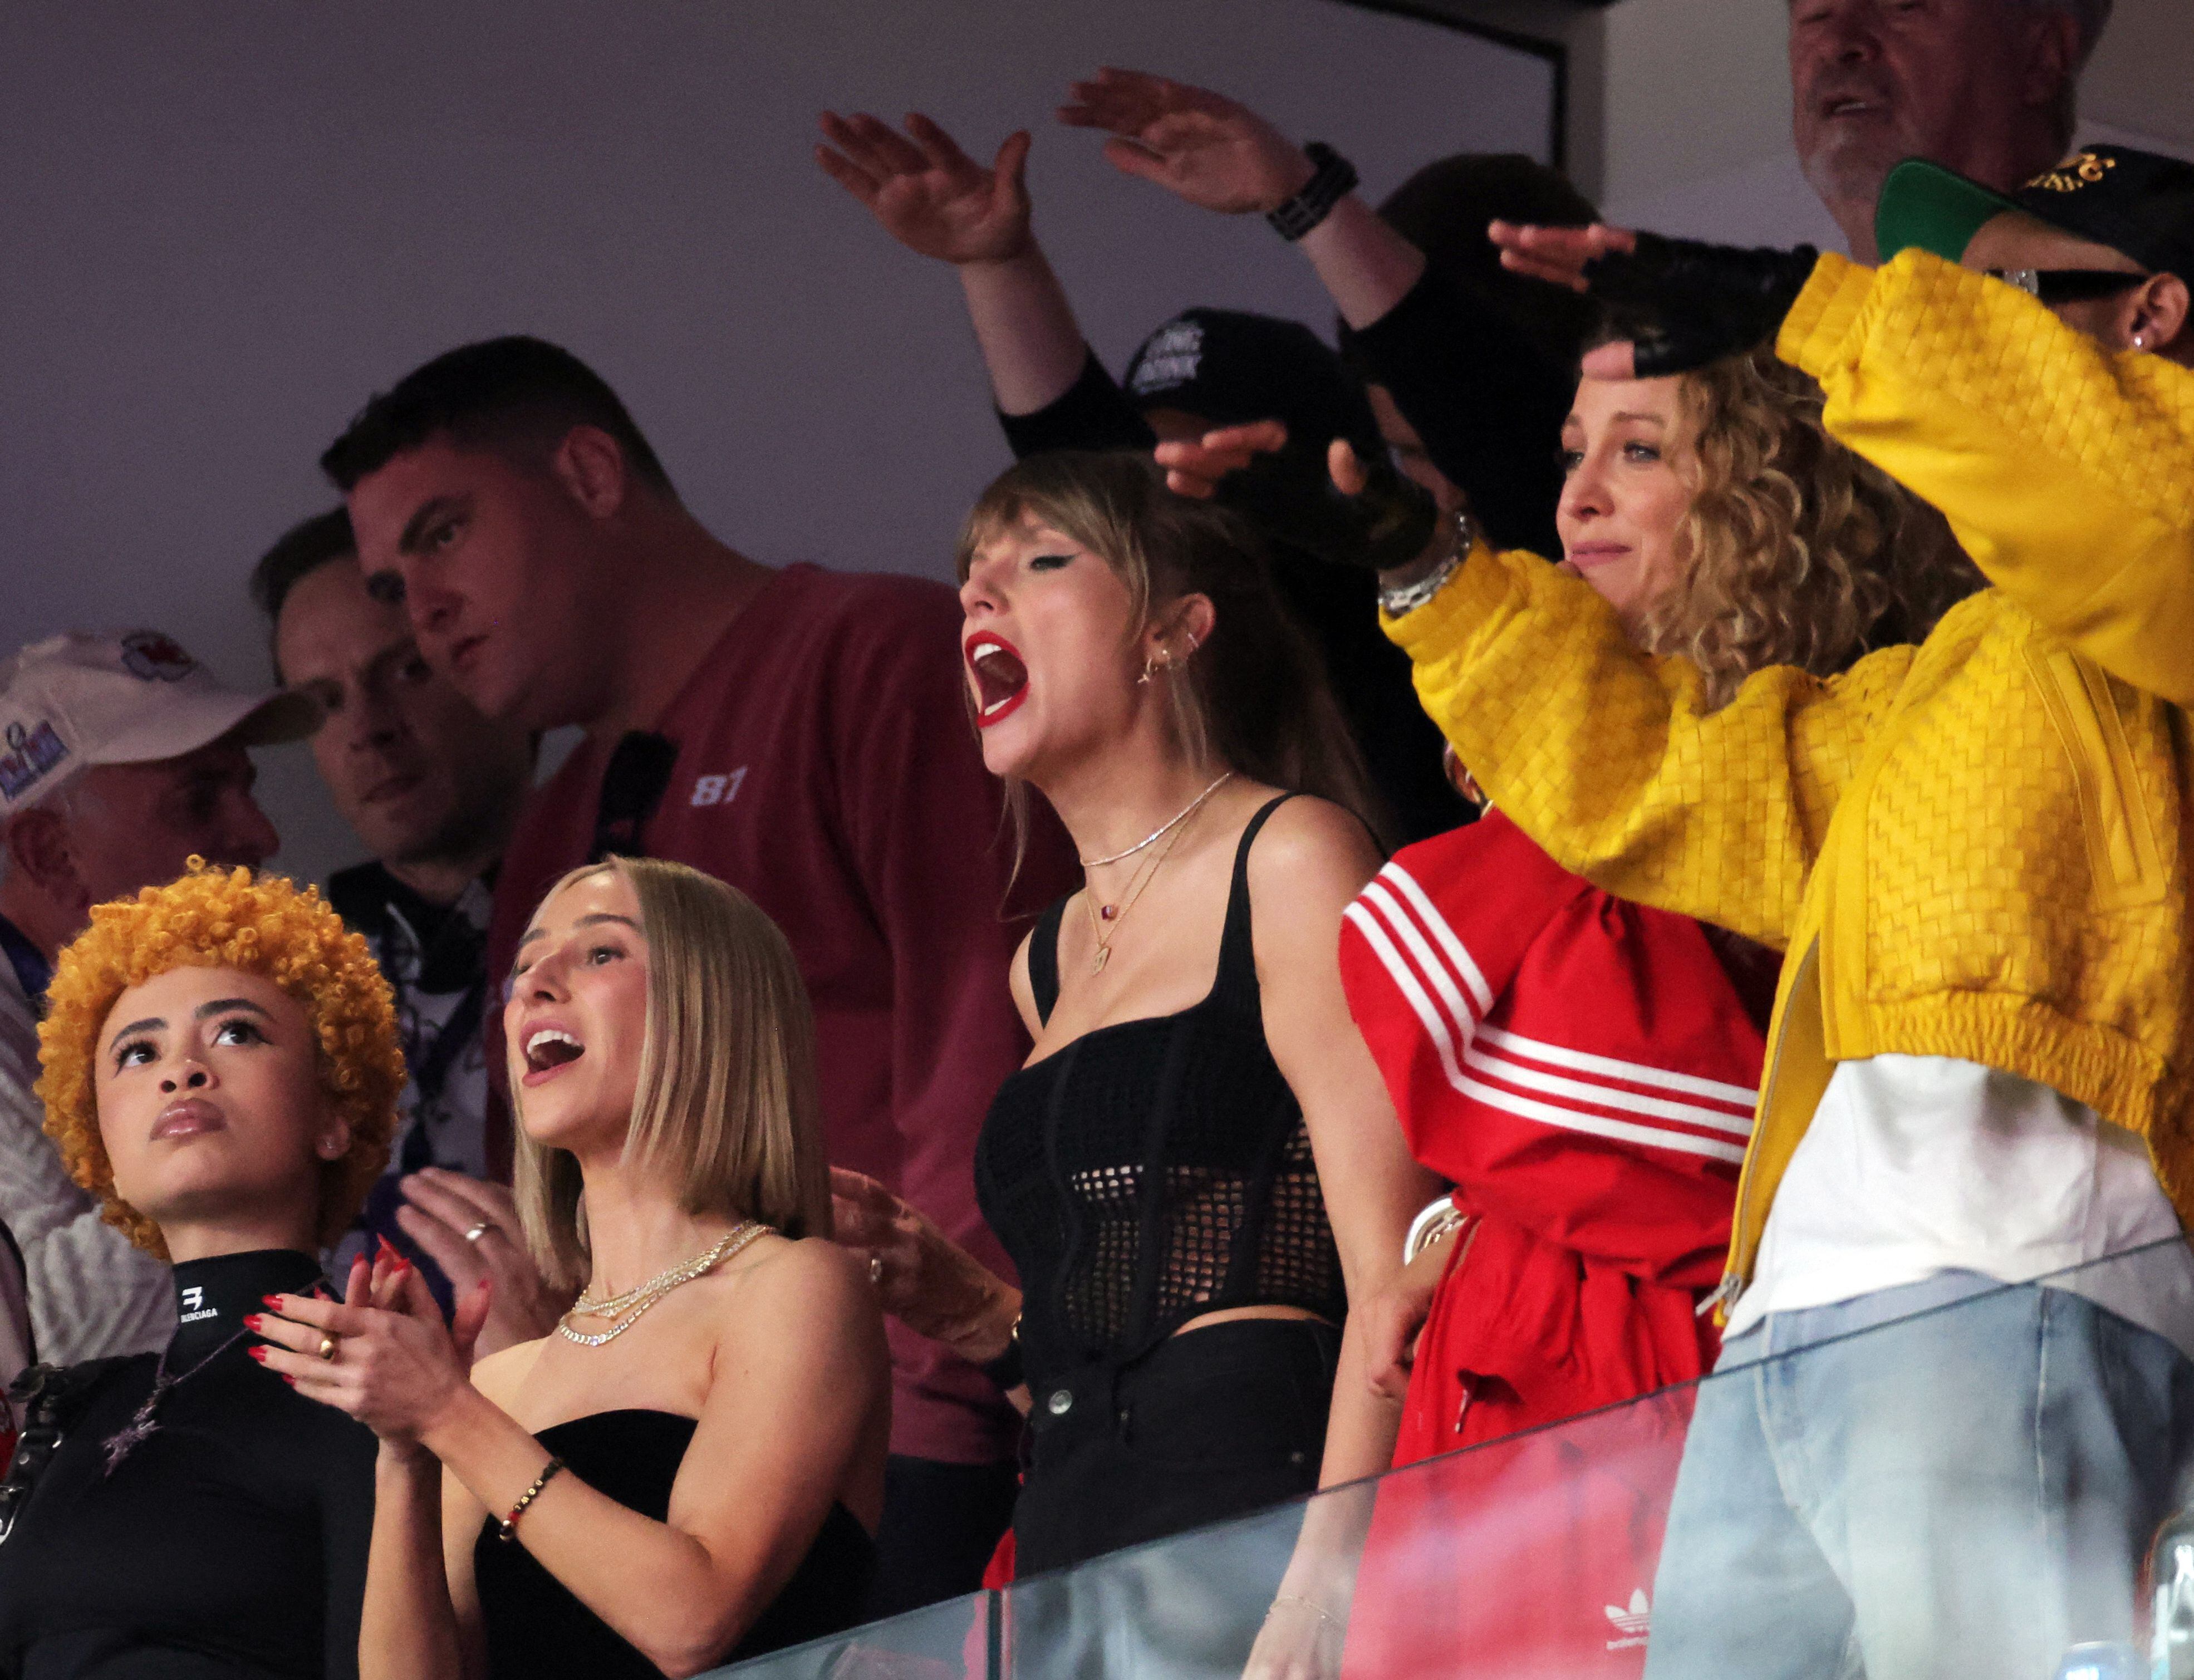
x=1221, y=156
x=1485, y=400
x=2066, y=470
x=938, y=201
x=1608, y=758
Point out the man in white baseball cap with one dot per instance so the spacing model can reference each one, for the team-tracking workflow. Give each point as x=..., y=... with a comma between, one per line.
x=120, y=757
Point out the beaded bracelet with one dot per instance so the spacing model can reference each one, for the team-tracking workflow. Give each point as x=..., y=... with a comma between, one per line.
x=506, y=1528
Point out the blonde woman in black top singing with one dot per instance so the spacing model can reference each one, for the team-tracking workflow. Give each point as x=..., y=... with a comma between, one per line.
x=1197, y=1169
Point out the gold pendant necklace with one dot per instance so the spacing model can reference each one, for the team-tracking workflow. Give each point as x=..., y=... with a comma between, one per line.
x=1117, y=915
x=629, y=1307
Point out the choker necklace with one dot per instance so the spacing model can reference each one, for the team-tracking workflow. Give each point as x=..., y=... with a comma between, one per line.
x=1162, y=830
x=627, y=1308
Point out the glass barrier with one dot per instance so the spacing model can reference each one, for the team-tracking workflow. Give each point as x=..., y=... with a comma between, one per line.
x=1956, y=1478
x=952, y=1641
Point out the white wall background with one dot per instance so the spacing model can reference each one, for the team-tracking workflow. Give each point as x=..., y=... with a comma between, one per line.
x=224, y=222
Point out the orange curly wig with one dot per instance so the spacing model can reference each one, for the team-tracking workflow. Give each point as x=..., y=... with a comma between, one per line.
x=212, y=918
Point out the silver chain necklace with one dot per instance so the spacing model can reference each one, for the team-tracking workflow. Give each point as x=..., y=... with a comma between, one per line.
x=1162, y=830
x=633, y=1305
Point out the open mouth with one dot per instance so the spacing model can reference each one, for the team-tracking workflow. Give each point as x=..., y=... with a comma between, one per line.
x=1002, y=680
x=548, y=1052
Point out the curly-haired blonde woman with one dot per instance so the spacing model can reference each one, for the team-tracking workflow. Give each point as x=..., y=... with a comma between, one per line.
x=221, y=1071
x=1581, y=1069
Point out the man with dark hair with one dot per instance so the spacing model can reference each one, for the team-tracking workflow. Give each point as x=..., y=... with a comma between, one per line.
x=432, y=789
x=800, y=733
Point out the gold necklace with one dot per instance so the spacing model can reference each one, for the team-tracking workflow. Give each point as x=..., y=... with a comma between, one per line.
x=634, y=1303
x=1119, y=917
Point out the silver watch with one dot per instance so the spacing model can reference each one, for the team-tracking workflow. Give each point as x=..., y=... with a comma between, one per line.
x=1409, y=597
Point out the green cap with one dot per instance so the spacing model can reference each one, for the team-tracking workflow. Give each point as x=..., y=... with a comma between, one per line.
x=1925, y=204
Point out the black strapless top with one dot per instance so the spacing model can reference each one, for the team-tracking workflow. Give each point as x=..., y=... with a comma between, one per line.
x=538, y=1630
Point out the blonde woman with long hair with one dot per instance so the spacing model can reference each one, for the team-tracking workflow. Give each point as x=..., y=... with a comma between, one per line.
x=689, y=1469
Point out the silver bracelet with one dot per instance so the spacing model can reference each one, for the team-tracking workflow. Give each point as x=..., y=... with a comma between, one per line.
x=1434, y=1222
x=1409, y=597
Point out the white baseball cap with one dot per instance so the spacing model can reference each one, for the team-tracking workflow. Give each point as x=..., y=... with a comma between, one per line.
x=78, y=700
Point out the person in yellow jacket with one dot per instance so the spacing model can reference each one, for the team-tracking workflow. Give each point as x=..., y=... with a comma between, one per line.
x=1972, y=852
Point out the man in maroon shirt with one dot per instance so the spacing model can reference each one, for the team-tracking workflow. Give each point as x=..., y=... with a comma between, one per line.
x=800, y=733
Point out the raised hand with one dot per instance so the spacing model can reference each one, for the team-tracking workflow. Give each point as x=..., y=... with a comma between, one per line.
x=1196, y=467
x=1685, y=303
x=929, y=194
x=1193, y=142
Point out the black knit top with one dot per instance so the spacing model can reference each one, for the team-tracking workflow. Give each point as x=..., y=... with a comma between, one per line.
x=1153, y=1171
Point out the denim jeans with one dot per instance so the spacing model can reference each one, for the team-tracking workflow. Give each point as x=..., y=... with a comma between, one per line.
x=1962, y=1493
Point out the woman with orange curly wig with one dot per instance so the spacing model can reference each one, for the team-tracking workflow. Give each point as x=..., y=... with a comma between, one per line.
x=221, y=1071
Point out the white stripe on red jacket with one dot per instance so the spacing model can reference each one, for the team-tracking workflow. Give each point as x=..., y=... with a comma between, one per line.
x=1581, y=1066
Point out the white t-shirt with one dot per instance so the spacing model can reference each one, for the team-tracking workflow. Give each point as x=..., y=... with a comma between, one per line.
x=1918, y=1165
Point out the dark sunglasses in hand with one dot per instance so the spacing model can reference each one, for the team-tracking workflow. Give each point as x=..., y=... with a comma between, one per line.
x=2054, y=286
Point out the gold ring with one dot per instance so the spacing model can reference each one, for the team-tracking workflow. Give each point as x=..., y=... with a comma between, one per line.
x=327, y=1348
x=480, y=1231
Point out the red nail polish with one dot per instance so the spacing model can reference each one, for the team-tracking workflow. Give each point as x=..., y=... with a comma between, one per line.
x=273, y=1301
x=252, y=1321
x=259, y=1354
x=388, y=1248
x=402, y=1265
x=290, y=1379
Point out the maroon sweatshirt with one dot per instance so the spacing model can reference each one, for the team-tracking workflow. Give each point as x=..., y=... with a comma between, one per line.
x=826, y=768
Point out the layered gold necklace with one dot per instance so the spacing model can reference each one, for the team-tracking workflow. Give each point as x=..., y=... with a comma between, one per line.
x=625, y=1309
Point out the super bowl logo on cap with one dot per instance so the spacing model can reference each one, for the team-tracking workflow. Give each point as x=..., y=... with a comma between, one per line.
x=2082, y=168
x=150, y=655
x=32, y=753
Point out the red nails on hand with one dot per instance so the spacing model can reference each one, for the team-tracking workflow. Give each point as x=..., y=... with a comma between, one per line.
x=273, y=1301
x=259, y=1354
x=252, y=1321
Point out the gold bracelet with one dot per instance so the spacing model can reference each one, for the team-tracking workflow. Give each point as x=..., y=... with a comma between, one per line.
x=506, y=1528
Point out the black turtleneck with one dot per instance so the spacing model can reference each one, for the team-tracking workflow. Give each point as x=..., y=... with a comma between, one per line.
x=230, y=1541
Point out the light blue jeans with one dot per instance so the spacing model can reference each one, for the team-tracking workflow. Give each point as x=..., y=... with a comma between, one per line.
x=1962, y=1494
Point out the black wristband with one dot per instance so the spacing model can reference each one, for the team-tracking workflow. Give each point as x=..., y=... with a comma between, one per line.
x=1334, y=180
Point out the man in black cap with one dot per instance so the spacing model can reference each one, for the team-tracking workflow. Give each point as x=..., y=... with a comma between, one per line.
x=2106, y=239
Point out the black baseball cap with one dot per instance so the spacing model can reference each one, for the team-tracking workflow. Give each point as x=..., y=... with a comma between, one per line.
x=1232, y=367
x=2138, y=203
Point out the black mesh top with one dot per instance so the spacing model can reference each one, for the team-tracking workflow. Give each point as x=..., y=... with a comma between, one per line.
x=1152, y=1171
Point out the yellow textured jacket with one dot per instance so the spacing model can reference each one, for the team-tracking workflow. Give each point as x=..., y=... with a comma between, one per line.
x=1976, y=847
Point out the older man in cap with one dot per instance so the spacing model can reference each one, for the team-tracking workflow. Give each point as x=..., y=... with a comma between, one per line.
x=120, y=757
